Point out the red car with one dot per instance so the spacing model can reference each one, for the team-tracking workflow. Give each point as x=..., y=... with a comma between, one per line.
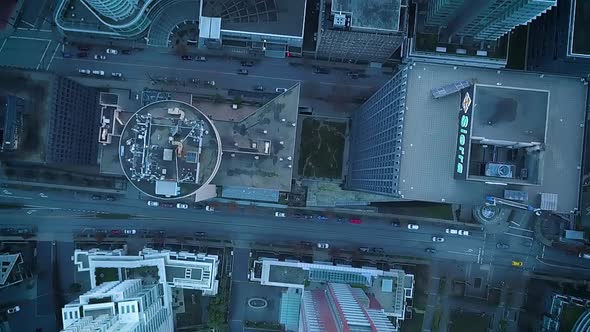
x=355, y=221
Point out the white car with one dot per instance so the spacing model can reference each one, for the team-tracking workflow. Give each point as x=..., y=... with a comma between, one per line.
x=181, y=206
x=413, y=226
x=280, y=214
x=462, y=232
x=84, y=71
x=323, y=245
x=437, y=239
x=98, y=72
x=118, y=75
x=153, y=203
x=280, y=90
x=13, y=309
x=209, y=208
x=451, y=231
x=112, y=51
x=130, y=231
x=100, y=57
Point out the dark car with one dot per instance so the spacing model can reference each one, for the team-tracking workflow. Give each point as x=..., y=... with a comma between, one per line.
x=186, y=57
x=82, y=55
x=200, y=234
x=377, y=250
x=243, y=71
x=96, y=197
x=320, y=70
x=395, y=223
x=306, y=243
x=116, y=232
x=355, y=221
x=502, y=245
x=352, y=75
x=84, y=48
x=298, y=215
x=66, y=55
x=110, y=198
x=247, y=63
x=258, y=88
x=167, y=205
x=199, y=206
x=126, y=52
x=431, y=250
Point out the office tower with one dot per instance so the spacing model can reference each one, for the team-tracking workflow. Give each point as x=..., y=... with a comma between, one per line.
x=116, y=10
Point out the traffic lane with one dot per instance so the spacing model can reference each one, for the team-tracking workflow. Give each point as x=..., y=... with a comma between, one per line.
x=549, y=254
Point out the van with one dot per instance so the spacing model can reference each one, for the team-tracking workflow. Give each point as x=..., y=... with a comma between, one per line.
x=584, y=255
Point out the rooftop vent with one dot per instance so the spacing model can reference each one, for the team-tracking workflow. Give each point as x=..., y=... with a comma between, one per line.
x=500, y=170
x=339, y=21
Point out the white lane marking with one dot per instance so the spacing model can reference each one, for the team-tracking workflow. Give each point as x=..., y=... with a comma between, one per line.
x=543, y=253
x=31, y=211
x=15, y=196
x=35, y=30
x=43, y=56
x=562, y=266
x=521, y=236
x=30, y=38
x=2, y=47
x=43, y=195
x=6, y=192
x=461, y=253
x=514, y=222
x=521, y=229
x=53, y=56
x=25, y=22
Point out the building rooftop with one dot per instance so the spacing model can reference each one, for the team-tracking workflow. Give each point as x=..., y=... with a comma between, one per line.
x=550, y=150
x=370, y=14
x=270, y=17
x=169, y=149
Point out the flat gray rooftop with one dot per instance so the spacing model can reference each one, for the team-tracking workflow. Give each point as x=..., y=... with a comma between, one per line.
x=370, y=14
x=180, y=272
x=431, y=130
x=509, y=114
x=276, y=17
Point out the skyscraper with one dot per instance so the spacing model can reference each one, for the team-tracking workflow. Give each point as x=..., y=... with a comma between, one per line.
x=484, y=20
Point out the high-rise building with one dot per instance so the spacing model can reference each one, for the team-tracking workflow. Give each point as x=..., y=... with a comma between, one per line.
x=116, y=10
x=361, y=30
x=485, y=20
x=123, y=306
x=468, y=135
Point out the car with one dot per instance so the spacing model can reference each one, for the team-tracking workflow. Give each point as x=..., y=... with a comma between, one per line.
x=126, y=52
x=153, y=203
x=199, y=206
x=195, y=81
x=430, y=250
x=112, y=51
x=201, y=58
x=186, y=57
x=110, y=198
x=322, y=218
x=130, y=231
x=13, y=310
x=96, y=197
x=200, y=234
x=438, y=239
x=413, y=226
x=259, y=88
x=117, y=75
x=116, y=232
x=339, y=220
x=395, y=223
x=66, y=55
x=502, y=245
x=98, y=72
x=306, y=244
x=298, y=215
x=462, y=232
x=209, y=208
x=517, y=263
x=181, y=206
x=377, y=250
x=451, y=231
x=353, y=75
x=100, y=57
x=167, y=205
x=247, y=63
x=355, y=221
x=364, y=249
x=280, y=214
x=243, y=71
x=82, y=54
x=280, y=90
x=84, y=71
x=84, y=48
x=322, y=245
x=209, y=83
x=320, y=70
x=308, y=216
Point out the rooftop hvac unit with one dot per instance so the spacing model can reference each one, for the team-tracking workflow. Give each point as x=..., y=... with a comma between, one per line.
x=339, y=21
x=500, y=170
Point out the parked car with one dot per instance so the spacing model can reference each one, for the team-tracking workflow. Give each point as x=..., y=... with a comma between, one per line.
x=243, y=71
x=153, y=203
x=112, y=51
x=462, y=232
x=517, y=263
x=100, y=57
x=280, y=90
x=339, y=220
x=364, y=249
x=306, y=243
x=451, y=231
x=355, y=221
x=431, y=250
x=438, y=239
x=209, y=208
x=126, y=52
x=280, y=214
x=322, y=218
x=181, y=206
x=13, y=310
x=186, y=57
x=201, y=58
x=130, y=231
x=110, y=198
x=247, y=63
x=96, y=197
x=209, y=83
x=199, y=206
x=353, y=75
x=200, y=234
x=117, y=75
x=320, y=70
x=82, y=54
x=167, y=205
x=98, y=72
x=84, y=71
x=395, y=223
x=377, y=250
x=502, y=245
x=413, y=226
x=259, y=88
x=116, y=232
x=322, y=245
x=84, y=48
x=66, y=55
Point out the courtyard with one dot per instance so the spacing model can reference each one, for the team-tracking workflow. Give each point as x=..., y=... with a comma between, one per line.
x=322, y=148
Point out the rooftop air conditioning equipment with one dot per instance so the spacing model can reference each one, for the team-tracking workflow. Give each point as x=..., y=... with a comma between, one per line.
x=339, y=21
x=500, y=170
